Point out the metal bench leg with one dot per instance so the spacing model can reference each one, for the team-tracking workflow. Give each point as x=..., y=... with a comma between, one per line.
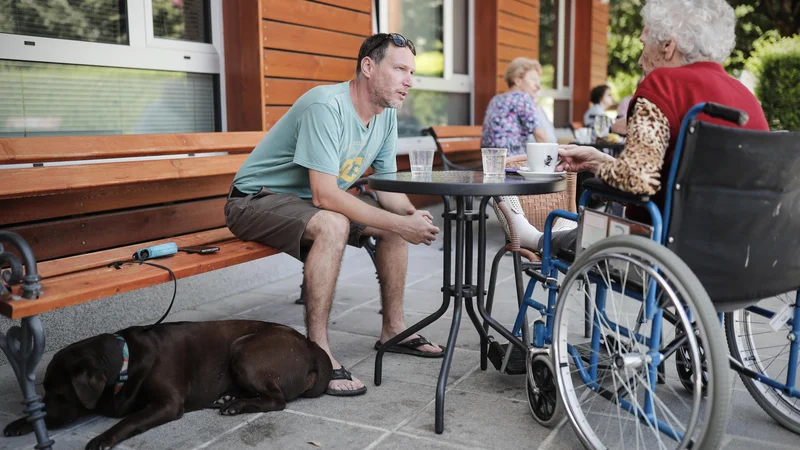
x=24, y=346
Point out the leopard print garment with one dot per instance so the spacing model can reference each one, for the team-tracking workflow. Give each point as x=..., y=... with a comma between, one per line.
x=638, y=168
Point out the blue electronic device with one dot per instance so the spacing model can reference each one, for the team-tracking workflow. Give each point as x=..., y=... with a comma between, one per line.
x=156, y=251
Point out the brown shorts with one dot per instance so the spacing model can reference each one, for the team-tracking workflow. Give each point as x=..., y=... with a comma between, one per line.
x=279, y=220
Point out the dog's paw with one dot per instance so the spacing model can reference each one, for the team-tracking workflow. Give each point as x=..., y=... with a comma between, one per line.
x=18, y=428
x=101, y=442
x=224, y=400
x=232, y=408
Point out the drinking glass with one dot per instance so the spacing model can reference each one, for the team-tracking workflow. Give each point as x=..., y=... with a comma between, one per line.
x=494, y=161
x=421, y=160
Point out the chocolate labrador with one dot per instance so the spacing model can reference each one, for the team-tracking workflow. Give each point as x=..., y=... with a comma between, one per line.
x=152, y=376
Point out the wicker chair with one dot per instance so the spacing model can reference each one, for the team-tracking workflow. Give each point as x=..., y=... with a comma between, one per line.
x=536, y=208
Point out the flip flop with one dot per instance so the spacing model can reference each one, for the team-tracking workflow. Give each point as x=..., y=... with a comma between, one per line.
x=410, y=348
x=344, y=374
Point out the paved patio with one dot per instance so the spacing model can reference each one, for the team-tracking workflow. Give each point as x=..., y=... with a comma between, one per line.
x=483, y=409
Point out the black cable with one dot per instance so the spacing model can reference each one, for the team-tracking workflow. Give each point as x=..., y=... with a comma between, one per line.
x=174, y=291
x=118, y=265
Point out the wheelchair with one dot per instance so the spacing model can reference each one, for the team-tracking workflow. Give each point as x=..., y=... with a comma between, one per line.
x=634, y=342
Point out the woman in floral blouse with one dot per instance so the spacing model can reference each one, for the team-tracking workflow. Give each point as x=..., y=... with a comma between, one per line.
x=513, y=116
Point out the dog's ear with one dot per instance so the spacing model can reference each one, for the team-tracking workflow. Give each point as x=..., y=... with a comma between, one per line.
x=89, y=384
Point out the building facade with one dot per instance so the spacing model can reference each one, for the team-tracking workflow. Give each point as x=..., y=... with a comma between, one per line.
x=176, y=66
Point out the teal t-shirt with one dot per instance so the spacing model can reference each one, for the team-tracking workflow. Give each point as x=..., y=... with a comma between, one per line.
x=321, y=131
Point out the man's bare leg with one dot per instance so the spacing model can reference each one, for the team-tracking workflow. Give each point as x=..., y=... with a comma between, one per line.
x=391, y=260
x=329, y=231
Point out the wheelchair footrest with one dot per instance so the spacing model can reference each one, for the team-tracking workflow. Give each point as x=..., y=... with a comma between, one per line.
x=516, y=362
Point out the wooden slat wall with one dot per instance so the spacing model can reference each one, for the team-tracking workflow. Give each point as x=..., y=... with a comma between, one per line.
x=591, y=52
x=276, y=50
x=504, y=30
x=518, y=34
x=307, y=44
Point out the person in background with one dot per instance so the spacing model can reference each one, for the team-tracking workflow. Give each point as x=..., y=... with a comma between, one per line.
x=620, y=125
x=685, y=44
x=513, y=116
x=601, y=100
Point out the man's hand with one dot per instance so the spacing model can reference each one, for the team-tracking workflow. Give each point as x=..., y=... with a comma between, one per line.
x=576, y=158
x=425, y=214
x=417, y=228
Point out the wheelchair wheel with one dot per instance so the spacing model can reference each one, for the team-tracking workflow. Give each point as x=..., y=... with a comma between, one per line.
x=608, y=382
x=764, y=350
x=543, y=399
x=683, y=364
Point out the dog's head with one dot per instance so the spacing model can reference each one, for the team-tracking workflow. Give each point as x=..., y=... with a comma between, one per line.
x=76, y=378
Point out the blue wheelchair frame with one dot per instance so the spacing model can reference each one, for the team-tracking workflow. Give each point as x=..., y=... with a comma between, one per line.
x=550, y=268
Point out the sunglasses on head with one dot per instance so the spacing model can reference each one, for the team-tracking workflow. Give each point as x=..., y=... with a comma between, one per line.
x=397, y=39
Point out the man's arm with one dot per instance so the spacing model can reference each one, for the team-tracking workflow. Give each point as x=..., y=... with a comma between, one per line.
x=399, y=204
x=325, y=194
x=395, y=202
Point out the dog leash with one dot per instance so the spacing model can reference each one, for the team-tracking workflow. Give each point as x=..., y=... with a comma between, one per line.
x=141, y=257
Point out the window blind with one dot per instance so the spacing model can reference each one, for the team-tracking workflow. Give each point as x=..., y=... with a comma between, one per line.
x=43, y=99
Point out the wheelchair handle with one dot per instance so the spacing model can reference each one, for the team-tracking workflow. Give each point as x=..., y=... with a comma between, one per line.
x=725, y=113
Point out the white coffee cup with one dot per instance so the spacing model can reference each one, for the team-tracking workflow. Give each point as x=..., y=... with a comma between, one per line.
x=542, y=157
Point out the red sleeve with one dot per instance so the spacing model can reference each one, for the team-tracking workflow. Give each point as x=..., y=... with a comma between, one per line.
x=658, y=90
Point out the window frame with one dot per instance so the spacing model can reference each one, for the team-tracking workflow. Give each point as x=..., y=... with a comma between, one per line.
x=562, y=92
x=143, y=51
x=449, y=83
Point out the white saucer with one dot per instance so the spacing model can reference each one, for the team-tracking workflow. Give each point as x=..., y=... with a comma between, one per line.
x=528, y=175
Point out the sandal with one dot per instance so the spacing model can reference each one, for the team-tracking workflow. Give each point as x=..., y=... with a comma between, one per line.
x=410, y=348
x=344, y=374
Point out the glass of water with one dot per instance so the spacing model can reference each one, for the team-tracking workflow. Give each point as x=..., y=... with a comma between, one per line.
x=494, y=161
x=421, y=160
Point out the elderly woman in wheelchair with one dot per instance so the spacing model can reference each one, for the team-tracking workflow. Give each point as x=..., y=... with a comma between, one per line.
x=709, y=251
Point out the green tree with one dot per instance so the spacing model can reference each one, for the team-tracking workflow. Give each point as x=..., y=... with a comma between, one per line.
x=625, y=27
x=755, y=18
x=85, y=20
x=547, y=51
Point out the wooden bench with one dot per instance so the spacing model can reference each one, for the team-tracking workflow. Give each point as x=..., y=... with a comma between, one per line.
x=82, y=203
x=458, y=147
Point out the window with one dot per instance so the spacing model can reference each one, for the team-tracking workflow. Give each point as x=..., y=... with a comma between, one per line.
x=555, y=54
x=103, y=21
x=110, y=67
x=442, y=83
x=184, y=20
x=44, y=99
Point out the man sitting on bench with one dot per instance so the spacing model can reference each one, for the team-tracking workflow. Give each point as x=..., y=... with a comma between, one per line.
x=290, y=192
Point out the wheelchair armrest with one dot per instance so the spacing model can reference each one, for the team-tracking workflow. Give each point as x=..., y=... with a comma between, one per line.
x=597, y=186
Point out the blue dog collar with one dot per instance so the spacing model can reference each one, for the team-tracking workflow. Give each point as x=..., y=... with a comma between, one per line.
x=123, y=372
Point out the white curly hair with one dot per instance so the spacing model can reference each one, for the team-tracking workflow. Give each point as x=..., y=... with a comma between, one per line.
x=704, y=30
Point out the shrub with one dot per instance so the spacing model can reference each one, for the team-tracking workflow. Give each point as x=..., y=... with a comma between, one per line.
x=776, y=63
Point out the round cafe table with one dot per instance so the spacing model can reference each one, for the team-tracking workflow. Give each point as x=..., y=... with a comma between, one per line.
x=459, y=187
